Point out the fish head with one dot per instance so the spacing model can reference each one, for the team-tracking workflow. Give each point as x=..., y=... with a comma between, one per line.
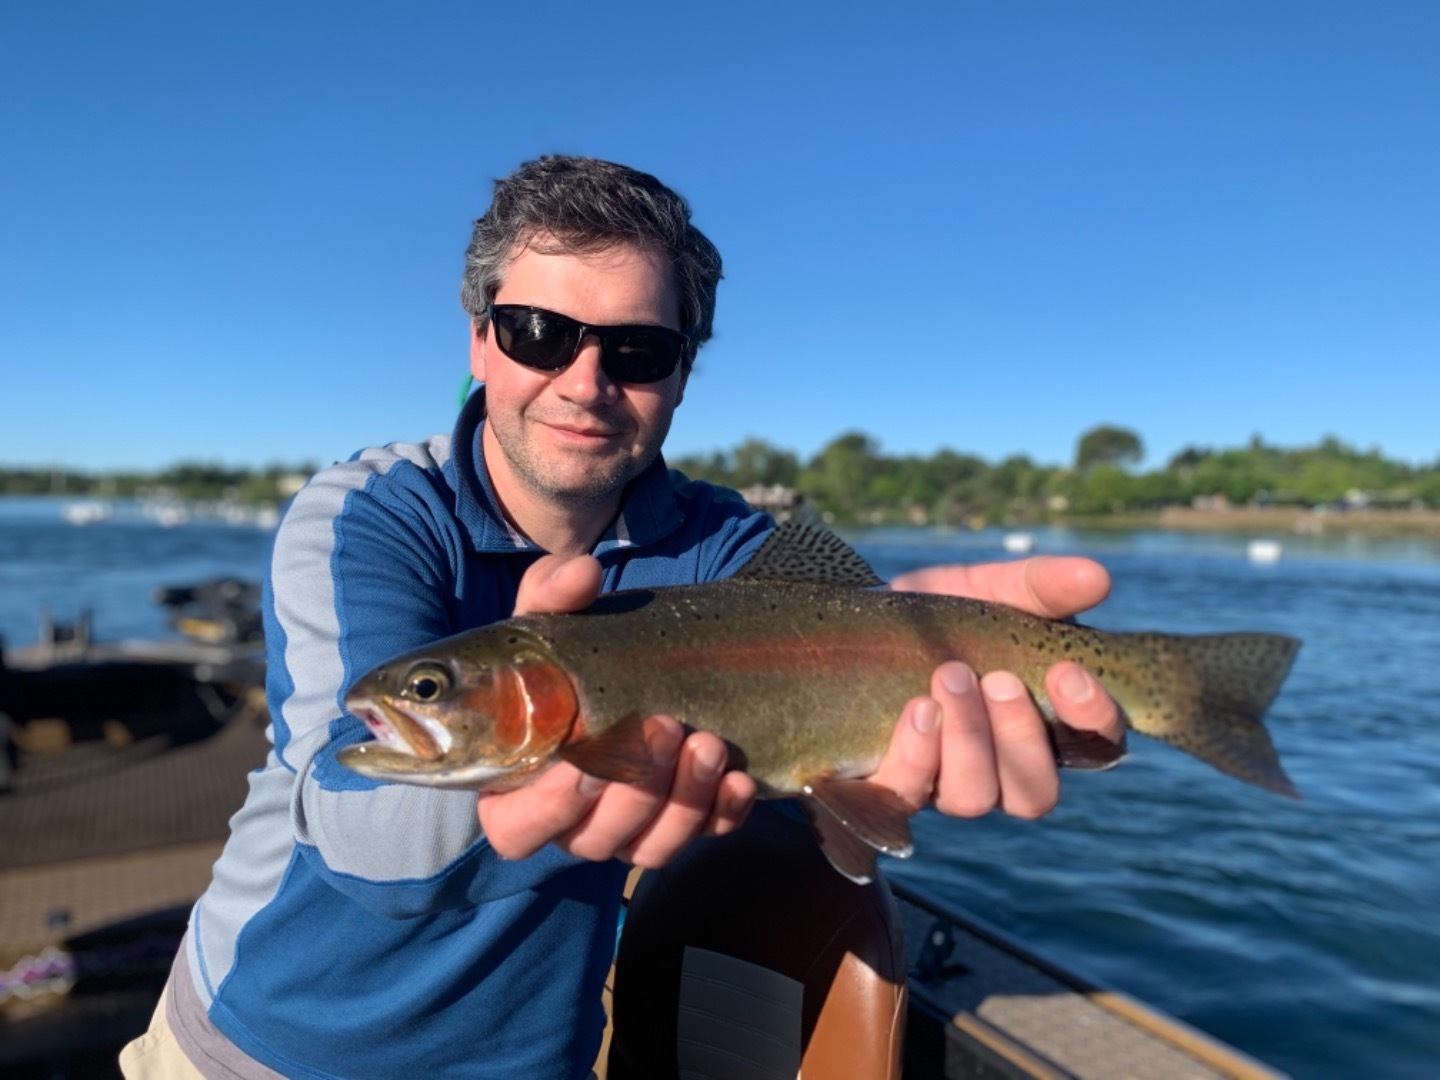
x=484, y=711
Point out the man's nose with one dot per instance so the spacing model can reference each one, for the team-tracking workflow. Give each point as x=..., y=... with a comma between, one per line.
x=584, y=381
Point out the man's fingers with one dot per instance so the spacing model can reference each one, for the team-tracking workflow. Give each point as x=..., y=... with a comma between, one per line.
x=969, y=783
x=912, y=760
x=733, y=801
x=555, y=583
x=1082, y=702
x=582, y=813
x=519, y=823
x=689, y=807
x=1060, y=586
x=1024, y=757
x=1055, y=587
x=623, y=810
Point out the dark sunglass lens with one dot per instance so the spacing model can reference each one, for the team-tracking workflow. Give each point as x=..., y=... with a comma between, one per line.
x=640, y=354
x=535, y=338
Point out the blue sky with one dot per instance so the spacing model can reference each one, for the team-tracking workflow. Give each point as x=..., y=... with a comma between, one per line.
x=233, y=231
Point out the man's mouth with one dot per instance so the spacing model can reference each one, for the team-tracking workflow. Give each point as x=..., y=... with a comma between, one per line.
x=575, y=431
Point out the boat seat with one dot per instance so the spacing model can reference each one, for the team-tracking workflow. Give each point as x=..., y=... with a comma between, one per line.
x=750, y=958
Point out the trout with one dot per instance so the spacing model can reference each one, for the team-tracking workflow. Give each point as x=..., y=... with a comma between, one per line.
x=803, y=665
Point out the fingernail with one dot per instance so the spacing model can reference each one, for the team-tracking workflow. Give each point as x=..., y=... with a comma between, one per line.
x=590, y=786
x=925, y=716
x=1002, y=686
x=709, y=760
x=1076, y=684
x=664, y=744
x=957, y=678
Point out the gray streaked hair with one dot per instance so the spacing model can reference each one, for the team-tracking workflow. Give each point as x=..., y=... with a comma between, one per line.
x=583, y=205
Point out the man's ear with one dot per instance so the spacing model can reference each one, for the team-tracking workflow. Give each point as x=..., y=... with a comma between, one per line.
x=477, y=351
x=686, y=366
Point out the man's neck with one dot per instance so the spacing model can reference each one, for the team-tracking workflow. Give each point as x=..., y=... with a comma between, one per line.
x=560, y=530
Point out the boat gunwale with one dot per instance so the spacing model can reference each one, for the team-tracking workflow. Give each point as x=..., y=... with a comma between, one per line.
x=1175, y=1032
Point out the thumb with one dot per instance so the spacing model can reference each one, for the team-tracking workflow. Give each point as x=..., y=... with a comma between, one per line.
x=557, y=583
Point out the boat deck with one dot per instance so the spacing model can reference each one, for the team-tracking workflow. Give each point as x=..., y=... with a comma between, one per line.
x=105, y=842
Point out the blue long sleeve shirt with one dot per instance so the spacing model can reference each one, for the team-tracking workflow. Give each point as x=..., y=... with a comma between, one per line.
x=358, y=929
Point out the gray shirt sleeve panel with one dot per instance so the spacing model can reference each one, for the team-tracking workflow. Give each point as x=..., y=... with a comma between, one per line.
x=361, y=832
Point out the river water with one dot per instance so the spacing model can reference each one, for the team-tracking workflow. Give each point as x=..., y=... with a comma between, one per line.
x=1307, y=934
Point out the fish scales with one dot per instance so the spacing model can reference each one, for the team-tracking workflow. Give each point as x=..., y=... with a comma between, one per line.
x=800, y=676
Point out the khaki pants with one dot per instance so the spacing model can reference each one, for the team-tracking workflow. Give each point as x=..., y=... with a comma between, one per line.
x=156, y=1055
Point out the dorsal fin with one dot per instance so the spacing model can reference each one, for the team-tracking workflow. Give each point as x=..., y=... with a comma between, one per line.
x=810, y=555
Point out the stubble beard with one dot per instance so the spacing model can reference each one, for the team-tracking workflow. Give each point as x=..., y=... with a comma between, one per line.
x=580, y=481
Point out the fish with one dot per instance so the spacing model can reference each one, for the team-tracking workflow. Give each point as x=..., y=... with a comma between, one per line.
x=802, y=662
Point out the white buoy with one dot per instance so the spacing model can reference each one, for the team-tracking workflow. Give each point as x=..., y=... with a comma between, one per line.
x=1018, y=543
x=87, y=513
x=1264, y=551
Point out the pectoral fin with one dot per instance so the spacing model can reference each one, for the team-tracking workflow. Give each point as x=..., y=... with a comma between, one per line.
x=618, y=752
x=854, y=819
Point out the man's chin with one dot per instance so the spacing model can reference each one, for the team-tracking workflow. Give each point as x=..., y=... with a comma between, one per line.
x=597, y=483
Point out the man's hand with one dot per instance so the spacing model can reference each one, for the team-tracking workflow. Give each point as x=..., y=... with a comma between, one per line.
x=977, y=745
x=689, y=792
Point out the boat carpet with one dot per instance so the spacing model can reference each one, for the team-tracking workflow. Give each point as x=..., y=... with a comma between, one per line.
x=95, y=799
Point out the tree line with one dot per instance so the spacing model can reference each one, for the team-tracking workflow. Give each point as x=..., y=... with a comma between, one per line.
x=186, y=480
x=854, y=480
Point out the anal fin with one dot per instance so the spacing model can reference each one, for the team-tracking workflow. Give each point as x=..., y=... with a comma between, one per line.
x=618, y=752
x=853, y=820
x=1076, y=748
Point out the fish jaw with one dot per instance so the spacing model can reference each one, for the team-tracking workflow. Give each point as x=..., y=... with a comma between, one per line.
x=381, y=762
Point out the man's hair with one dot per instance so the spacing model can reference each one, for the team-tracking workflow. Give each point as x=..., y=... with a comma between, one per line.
x=574, y=205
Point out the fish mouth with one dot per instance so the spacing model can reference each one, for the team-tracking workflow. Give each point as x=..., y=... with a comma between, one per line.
x=402, y=731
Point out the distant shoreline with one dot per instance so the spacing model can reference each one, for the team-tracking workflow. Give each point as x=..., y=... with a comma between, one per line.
x=1276, y=521
x=1242, y=520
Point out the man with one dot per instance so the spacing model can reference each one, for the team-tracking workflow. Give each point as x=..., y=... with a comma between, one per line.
x=355, y=929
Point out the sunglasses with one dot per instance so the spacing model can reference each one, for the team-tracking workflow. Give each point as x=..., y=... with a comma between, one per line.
x=548, y=341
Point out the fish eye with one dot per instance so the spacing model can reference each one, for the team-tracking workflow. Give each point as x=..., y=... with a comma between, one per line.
x=427, y=683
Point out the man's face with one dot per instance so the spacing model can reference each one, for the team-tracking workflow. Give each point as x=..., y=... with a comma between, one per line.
x=574, y=439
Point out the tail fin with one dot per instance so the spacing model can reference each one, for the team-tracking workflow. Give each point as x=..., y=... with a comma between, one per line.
x=1235, y=678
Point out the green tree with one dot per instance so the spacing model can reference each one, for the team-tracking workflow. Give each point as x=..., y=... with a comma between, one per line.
x=839, y=476
x=756, y=461
x=1107, y=445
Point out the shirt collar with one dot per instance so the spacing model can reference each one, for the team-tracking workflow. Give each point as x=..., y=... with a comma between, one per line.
x=648, y=513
